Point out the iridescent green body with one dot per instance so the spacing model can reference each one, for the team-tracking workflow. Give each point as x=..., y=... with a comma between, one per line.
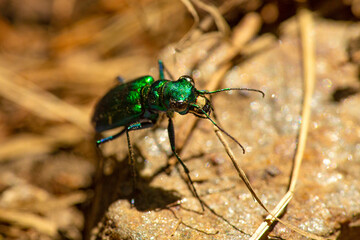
x=141, y=100
x=137, y=105
x=122, y=105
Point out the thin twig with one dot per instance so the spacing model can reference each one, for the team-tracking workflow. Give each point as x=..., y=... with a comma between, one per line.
x=180, y=221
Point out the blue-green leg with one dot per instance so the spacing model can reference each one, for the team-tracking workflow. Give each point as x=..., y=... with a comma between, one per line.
x=136, y=126
x=132, y=164
x=161, y=70
x=171, y=133
x=110, y=138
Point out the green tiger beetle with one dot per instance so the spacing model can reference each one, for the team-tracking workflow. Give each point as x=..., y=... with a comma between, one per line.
x=138, y=104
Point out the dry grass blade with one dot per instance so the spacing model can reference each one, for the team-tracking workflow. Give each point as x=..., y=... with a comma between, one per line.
x=29, y=145
x=28, y=220
x=196, y=33
x=307, y=39
x=215, y=13
x=190, y=7
x=306, y=27
x=40, y=102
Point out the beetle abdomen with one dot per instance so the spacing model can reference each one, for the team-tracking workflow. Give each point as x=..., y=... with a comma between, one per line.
x=121, y=106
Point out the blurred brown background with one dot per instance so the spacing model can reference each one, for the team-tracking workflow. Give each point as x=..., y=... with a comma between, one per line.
x=57, y=57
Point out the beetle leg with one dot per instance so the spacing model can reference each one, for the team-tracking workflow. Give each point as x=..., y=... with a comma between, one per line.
x=171, y=133
x=135, y=126
x=132, y=163
x=139, y=126
x=161, y=71
x=107, y=139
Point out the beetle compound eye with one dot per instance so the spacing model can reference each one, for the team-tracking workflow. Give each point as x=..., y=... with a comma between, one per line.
x=179, y=106
x=188, y=79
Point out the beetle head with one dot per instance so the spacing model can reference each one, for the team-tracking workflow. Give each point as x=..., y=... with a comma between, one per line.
x=180, y=94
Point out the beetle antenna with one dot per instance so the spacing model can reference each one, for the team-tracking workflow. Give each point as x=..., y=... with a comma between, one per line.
x=216, y=125
x=231, y=89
